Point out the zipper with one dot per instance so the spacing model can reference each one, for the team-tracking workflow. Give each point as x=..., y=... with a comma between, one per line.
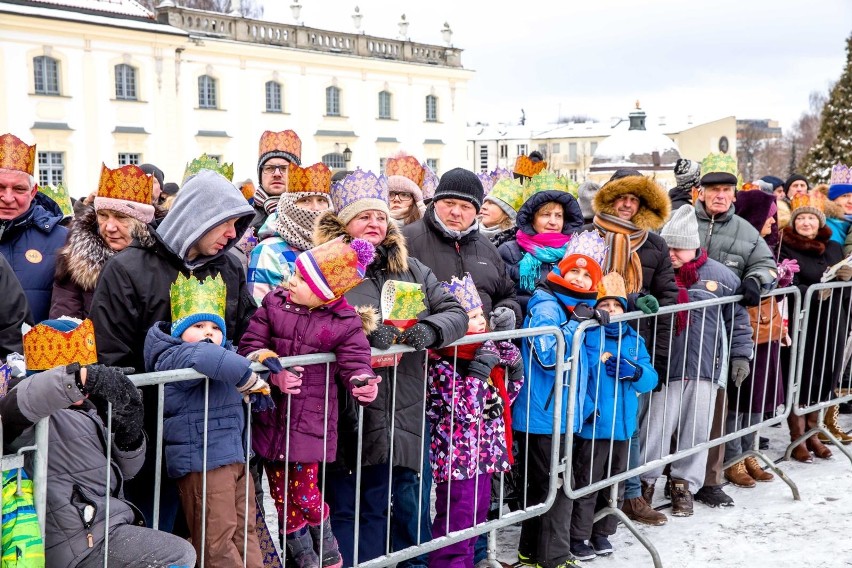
x=710, y=232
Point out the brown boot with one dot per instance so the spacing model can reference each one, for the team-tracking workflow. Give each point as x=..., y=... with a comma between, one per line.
x=755, y=471
x=681, y=498
x=813, y=444
x=738, y=475
x=797, y=428
x=648, y=493
x=832, y=414
x=638, y=510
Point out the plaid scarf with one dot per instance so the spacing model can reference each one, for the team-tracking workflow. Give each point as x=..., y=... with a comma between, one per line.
x=623, y=240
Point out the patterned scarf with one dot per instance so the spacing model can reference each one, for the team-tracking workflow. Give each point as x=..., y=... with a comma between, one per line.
x=540, y=248
x=265, y=201
x=623, y=239
x=685, y=277
x=296, y=224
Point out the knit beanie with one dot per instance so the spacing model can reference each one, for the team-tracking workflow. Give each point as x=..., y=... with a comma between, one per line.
x=793, y=178
x=153, y=170
x=687, y=173
x=463, y=184
x=335, y=267
x=775, y=181
x=585, y=196
x=681, y=232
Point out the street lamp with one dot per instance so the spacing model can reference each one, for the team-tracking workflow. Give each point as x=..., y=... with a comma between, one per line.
x=296, y=10
x=356, y=19
x=447, y=34
x=403, y=27
x=347, y=155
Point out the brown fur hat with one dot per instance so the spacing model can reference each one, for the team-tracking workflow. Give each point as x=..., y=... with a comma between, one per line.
x=655, y=206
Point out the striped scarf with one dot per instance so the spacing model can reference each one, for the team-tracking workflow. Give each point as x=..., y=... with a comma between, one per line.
x=623, y=240
x=540, y=248
x=268, y=203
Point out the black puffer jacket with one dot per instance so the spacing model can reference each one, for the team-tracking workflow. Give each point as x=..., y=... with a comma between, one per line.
x=442, y=312
x=16, y=310
x=448, y=257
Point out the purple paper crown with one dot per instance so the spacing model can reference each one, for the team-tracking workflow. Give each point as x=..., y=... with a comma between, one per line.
x=464, y=291
x=588, y=243
x=840, y=175
x=500, y=173
x=357, y=186
x=487, y=182
x=430, y=182
x=5, y=377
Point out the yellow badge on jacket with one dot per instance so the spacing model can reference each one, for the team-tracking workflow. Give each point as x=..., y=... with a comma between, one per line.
x=33, y=256
x=711, y=285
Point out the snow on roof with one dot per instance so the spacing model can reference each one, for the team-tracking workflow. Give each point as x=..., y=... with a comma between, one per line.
x=115, y=7
x=636, y=148
x=58, y=13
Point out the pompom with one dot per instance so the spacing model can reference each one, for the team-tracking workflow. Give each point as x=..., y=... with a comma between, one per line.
x=364, y=249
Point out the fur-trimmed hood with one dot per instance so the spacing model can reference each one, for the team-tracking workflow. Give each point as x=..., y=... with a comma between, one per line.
x=369, y=318
x=832, y=209
x=391, y=252
x=654, y=210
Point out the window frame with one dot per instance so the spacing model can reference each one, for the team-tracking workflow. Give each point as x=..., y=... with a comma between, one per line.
x=50, y=171
x=483, y=158
x=42, y=73
x=332, y=101
x=433, y=115
x=433, y=164
x=129, y=159
x=274, y=97
x=125, y=80
x=385, y=99
x=206, y=91
x=334, y=161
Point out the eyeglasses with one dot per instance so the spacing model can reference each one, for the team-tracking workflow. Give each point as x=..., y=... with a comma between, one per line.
x=271, y=169
x=401, y=196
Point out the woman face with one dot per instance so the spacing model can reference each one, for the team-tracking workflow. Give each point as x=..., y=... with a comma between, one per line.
x=548, y=218
x=807, y=225
x=767, y=227
x=491, y=215
x=115, y=228
x=400, y=203
x=370, y=225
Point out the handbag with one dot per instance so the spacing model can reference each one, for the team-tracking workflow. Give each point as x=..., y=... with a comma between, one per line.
x=766, y=322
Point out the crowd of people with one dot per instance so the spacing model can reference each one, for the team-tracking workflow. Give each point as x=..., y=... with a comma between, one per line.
x=214, y=276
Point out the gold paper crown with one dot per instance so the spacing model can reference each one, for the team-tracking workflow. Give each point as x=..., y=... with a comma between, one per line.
x=60, y=196
x=313, y=179
x=129, y=183
x=16, y=155
x=546, y=181
x=612, y=286
x=406, y=166
x=287, y=142
x=401, y=300
x=205, y=162
x=526, y=167
x=510, y=192
x=248, y=190
x=192, y=297
x=811, y=202
x=46, y=347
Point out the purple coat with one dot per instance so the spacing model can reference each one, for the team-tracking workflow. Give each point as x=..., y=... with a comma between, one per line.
x=291, y=329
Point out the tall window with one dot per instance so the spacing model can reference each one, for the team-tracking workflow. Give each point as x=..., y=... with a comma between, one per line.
x=273, y=96
x=433, y=164
x=332, y=102
x=206, y=92
x=384, y=104
x=572, y=152
x=334, y=161
x=46, y=75
x=51, y=168
x=431, y=108
x=126, y=159
x=555, y=148
x=382, y=163
x=572, y=174
x=483, y=158
x=504, y=150
x=125, y=82
x=522, y=149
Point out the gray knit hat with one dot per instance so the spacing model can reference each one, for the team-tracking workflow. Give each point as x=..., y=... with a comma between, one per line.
x=681, y=232
x=585, y=196
x=687, y=173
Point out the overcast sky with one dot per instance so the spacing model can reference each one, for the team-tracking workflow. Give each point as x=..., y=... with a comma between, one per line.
x=705, y=58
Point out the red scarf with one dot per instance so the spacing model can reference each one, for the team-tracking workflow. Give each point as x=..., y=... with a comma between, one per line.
x=685, y=277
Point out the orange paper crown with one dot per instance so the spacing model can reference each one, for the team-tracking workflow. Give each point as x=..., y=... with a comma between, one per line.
x=286, y=142
x=46, y=347
x=810, y=200
x=526, y=167
x=313, y=179
x=406, y=166
x=128, y=183
x=248, y=190
x=16, y=155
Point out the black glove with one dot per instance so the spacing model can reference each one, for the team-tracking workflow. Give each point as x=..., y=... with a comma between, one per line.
x=420, y=336
x=261, y=402
x=623, y=369
x=750, y=291
x=486, y=357
x=109, y=384
x=384, y=336
x=583, y=312
x=127, y=420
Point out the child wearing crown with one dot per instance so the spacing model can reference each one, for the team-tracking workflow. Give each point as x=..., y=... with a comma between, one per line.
x=310, y=316
x=471, y=388
x=196, y=340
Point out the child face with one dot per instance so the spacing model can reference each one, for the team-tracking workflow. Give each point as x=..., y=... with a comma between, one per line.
x=202, y=330
x=301, y=293
x=610, y=305
x=580, y=278
x=476, y=321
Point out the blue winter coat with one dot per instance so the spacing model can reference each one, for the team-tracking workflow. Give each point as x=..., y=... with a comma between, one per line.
x=30, y=243
x=612, y=404
x=183, y=425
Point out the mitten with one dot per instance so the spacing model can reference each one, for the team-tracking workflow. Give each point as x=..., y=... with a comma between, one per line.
x=269, y=359
x=509, y=353
x=502, y=319
x=486, y=357
x=583, y=312
x=739, y=370
x=750, y=291
x=384, y=336
x=623, y=369
x=420, y=336
x=288, y=380
x=127, y=419
x=109, y=384
x=366, y=388
x=648, y=304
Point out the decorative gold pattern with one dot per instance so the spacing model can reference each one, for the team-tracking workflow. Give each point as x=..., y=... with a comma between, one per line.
x=16, y=155
x=286, y=141
x=402, y=300
x=190, y=296
x=527, y=168
x=510, y=192
x=205, y=162
x=406, y=166
x=46, y=347
x=129, y=183
x=612, y=286
x=313, y=179
x=60, y=196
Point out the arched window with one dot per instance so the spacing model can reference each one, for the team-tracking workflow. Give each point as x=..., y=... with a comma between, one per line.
x=125, y=82
x=46, y=75
x=206, y=92
x=334, y=161
x=273, y=96
x=332, y=101
x=384, y=104
x=431, y=108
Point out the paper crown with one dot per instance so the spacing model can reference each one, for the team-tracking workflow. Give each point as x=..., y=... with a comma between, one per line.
x=840, y=175
x=16, y=155
x=46, y=347
x=612, y=286
x=60, y=196
x=313, y=179
x=546, y=181
x=464, y=291
x=286, y=144
x=357, y=186
x=500, y=173
x=527, y=168
x=128, y=183
x=405, y=166
x=572, y=186
x=401, y=302
x=510, y=192
x=487, y=182
x=811, y=202
x=205, y=162
x=430, y=182
x=335, y=267
x=196, y=300
x=248, y=190
x=5, y=377
x=587, y=243
x=716, y=167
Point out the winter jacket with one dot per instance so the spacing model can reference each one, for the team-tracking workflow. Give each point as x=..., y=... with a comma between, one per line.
x=30, y=243
x=291, y=329
x=272, y=263
x=615, y=402
x=447, y=256
x=16, y=311
x=680, y=197
x=512, y=253
x=183, y=410
x=76, y=466
x=399, y=405
x=731, y=240
x=463, y=442
x=701, y=351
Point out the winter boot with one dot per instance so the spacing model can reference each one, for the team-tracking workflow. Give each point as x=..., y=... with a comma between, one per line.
x=756, y=472
x=713, y=496
x=321, y=534
x=832, y=422
x=300, y=547
x=648, y=492
x=637, y=509
x=797, y=428
x=738, y=475
x=813, y=444
x=681, y=498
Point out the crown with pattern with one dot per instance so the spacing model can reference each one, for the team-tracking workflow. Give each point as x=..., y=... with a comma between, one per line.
x=5, y=377
x=313, y=179
x=612, y=286
x=205, y=162
x=811, y=202
x=718, y=168
x=464, y=291
x=60, y=196
x=501, y=173
x=572, y=186
x=196, y=300
x=840, y=182
x=46, y=347
x=430, y=182
x=248, y=190
x=527, y=168
x=357, y=192
x=127, y=190
x=508, y=194
x=335, y=267
x=405, y=166
x=487, y=182
x=16, y=155
x=546, y=181
x=284, y=144
x=585, y=250
x=401, y=302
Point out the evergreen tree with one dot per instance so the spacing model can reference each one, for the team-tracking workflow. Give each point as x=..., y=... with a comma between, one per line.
x=834, y=142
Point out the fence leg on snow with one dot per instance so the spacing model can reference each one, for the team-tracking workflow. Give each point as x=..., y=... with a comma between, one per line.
x=492, y=550
x=837, y=444
x=612, y=509
x=777, y=471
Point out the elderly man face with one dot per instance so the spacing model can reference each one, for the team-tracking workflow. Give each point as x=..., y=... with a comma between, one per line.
x=17, y=192
x=717, y=198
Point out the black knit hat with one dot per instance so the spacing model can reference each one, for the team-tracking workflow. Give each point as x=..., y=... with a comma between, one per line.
x=153, y=170
x=791, y=179
x=463, y=184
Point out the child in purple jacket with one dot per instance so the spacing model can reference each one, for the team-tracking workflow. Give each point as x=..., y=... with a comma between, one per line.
x=310, y=317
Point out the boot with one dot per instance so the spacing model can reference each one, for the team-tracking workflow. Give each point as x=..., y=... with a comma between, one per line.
x=738, y=475
x=681, y=498
x=818, y=448
x=832, y=422
x=637, y=509
x=797, y=428
x=755, y=471
x=300, y=547
x=648, y=492
x=331, y=557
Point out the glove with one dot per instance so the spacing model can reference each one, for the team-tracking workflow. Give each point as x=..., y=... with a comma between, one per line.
x=623, y=369
x=786, y=269
x=502, y=319
x=750, y=291
x=493, y=405
x=420, y=336
x=739, y=370
x=583, y=312
x=127, y=420
x=486, y=357
x=648, y=304
x=270, y=360
x=844, y=273
x=366, y=388
x=109, y=384
x=288, y=380
x=509, y=353
x=384, y=336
